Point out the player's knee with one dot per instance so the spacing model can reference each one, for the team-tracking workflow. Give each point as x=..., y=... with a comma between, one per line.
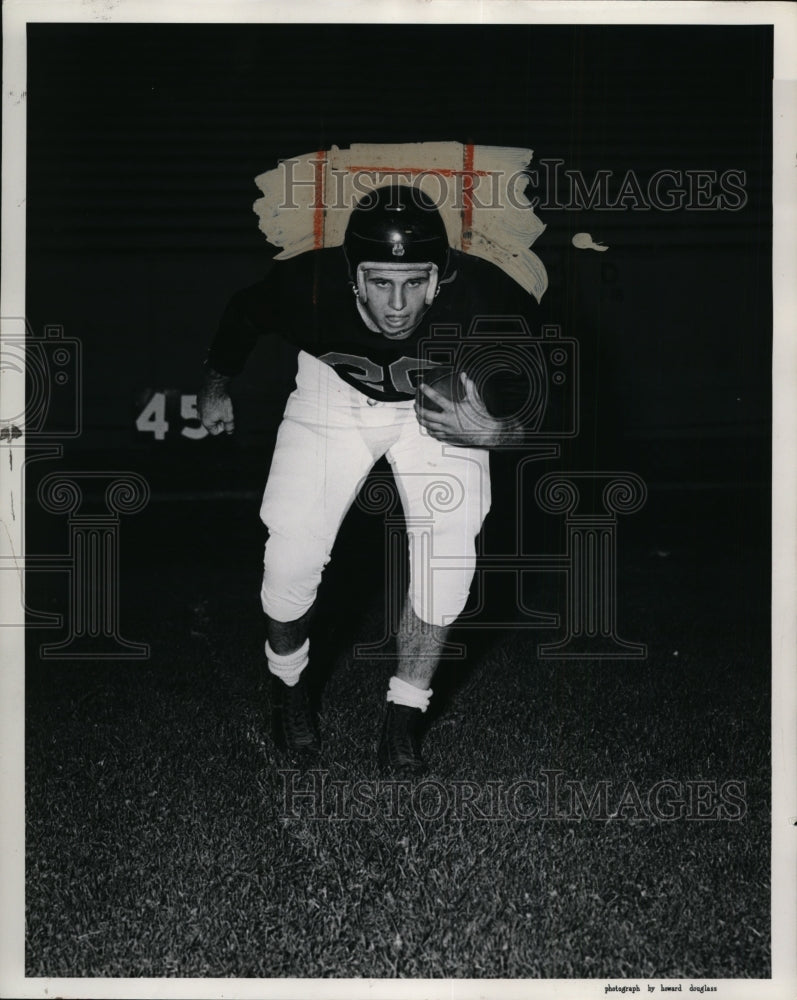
x=291, y=575
x=440, y=586
x=436, y=611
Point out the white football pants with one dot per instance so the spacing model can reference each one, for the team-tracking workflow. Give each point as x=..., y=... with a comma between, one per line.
x=330, y=437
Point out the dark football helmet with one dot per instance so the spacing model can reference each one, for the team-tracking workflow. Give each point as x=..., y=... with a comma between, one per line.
x=396, y=224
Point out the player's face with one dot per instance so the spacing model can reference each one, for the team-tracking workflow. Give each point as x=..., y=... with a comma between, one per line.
x=396, y=299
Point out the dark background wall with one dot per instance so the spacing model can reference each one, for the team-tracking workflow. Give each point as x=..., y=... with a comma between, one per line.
x=143, y=142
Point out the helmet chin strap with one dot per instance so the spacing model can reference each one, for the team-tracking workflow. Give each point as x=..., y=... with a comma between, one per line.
x=432, y=288
x=360, y=291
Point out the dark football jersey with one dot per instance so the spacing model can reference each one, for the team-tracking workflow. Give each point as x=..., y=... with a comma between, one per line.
x=309, y=301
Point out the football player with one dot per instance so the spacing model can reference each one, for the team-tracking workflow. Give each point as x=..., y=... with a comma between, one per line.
x=359, y=314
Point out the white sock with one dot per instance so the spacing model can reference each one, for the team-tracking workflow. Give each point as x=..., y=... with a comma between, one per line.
x=403, y=693
x=289, y=666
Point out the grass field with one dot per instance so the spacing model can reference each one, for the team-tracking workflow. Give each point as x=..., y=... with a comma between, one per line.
x=161, y=841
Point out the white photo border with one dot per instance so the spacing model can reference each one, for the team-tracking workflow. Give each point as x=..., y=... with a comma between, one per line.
x=17, y=14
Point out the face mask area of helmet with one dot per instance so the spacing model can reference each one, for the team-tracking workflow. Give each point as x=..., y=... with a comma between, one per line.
x=429, y=270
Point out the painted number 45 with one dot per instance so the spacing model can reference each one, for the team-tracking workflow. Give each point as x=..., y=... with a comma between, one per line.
x=152, y=419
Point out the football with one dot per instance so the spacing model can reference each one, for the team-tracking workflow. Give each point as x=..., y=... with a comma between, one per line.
x=448, y=384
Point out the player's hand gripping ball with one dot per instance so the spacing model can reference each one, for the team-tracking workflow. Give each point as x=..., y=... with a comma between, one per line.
x=450, y=408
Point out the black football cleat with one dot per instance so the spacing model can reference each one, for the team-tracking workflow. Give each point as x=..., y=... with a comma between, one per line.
x=293, y=724
x=399, y=752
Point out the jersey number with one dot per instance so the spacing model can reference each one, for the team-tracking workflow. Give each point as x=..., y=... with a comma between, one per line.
x=371, y=375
